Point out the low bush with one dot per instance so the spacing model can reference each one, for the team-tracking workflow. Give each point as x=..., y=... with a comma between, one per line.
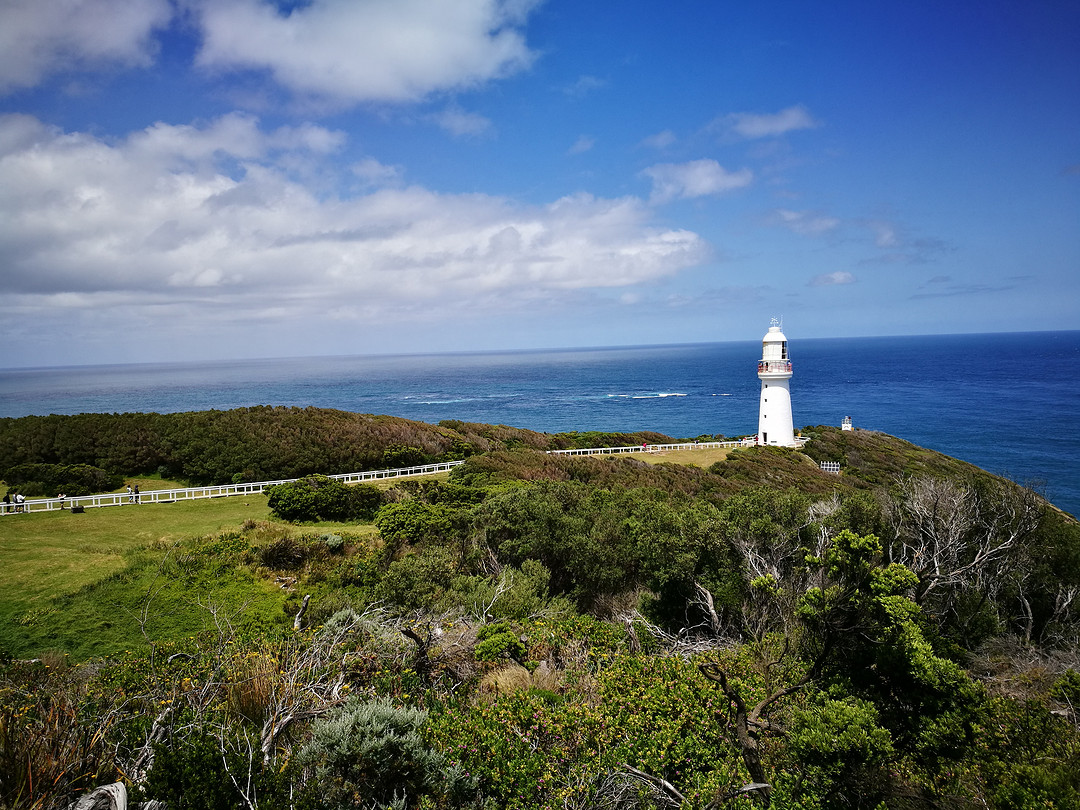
x=52, y=479
x=197, y=772
x=497, y=641
x=318, y=497
x=372, y=754
x=284, y=554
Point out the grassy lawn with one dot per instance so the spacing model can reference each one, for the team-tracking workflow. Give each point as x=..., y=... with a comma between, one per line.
x=45, y=555
x=704, y=457
x=49, y=554
x=79, y=583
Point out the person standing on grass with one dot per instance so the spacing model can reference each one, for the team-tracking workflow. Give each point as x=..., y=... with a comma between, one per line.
x=136, y=493
x=131, y=495
x=7, y=502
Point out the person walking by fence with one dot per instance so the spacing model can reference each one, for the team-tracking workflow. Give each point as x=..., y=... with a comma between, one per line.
x=131, y=495
x=136, y=494
x=7, y=502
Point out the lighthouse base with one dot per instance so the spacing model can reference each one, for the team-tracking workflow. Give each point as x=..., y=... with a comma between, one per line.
x=775, y=427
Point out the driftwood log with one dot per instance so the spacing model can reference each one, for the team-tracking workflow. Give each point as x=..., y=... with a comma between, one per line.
x=297, y=622
x=106, y=797
x=112, y=797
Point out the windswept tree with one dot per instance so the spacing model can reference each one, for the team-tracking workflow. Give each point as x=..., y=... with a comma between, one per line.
x=857, y=632
x=964, y=542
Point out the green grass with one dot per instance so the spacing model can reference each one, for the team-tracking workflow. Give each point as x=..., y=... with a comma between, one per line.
x=160, y=596
x=108, y=579
x=49, y=554
x=702, y=457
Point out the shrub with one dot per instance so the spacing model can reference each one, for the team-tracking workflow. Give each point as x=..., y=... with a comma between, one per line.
x=198, y=772
x=371, y=753
x=364, y=501
x=841, y=753
x=400, y=455
x=318, y=497
x=413, y=522
x=51, y=479
x=286, y=553
x=498, y=640
x=296, y=501
x=418, y=581
x=333, y=542
x=516, y=594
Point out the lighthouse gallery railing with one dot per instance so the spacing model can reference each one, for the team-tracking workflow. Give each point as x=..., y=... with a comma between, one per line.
x=774, y=366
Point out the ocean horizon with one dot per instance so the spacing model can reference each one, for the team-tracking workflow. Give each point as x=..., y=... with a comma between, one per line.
x=1007, y=402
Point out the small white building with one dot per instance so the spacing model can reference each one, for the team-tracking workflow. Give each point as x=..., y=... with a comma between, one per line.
x=774, y=370
x=846, y=423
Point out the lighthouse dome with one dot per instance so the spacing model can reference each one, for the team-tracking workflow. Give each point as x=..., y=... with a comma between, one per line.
x=774, y=347
x=774, y=335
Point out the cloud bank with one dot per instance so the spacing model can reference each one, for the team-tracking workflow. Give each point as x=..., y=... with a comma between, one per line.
x=340, y=51
x=43, y=37
x=185, y=217
x=381, y=50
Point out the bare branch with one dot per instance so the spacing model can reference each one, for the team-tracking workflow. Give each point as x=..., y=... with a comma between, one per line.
x=300, y=613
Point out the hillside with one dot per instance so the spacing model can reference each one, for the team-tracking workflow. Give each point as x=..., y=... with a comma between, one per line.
x=540, y=631
x=257, y=444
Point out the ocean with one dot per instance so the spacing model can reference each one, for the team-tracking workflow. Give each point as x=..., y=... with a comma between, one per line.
x=1009, y=402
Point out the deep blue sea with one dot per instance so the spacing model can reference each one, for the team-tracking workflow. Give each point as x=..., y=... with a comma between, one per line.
x=1009, y=403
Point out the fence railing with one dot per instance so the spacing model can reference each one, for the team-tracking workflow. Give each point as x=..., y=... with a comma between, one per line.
x=651, y=448
x=230, y=490
x=215, y=491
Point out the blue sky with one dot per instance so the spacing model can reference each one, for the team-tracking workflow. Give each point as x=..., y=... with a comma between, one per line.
x=197, y=179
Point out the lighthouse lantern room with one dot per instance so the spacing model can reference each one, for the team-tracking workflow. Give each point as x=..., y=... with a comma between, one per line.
x=774, y=370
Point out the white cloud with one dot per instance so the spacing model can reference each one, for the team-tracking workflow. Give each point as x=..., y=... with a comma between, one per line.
x=373, y=173
x=806, y=223
x=181, y=228
x=380, y=50
x=584, y=86
x=458, y=122
x=661, y=140
x=832, y=279
x=767, y=125
x=583, y=144
x=885, y=235
x=897, y=244
x=41, y=37
x=698, y=178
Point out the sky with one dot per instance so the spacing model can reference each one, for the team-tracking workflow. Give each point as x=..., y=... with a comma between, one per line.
x=223, y=179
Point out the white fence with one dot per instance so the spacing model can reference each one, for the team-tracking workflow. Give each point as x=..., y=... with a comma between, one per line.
x=215, y=491
x=651, y=448
x=229, y=490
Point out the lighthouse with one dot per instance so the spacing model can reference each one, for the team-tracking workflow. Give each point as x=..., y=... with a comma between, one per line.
x=774, y=370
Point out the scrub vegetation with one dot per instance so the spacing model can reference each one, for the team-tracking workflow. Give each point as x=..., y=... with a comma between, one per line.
x=549, y=631
x=253, y=444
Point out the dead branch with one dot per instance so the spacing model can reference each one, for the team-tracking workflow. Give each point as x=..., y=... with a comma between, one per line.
x=300, y=613
x=704, y=599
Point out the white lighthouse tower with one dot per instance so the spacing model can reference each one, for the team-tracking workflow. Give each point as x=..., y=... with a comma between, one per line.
x=774, y=370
